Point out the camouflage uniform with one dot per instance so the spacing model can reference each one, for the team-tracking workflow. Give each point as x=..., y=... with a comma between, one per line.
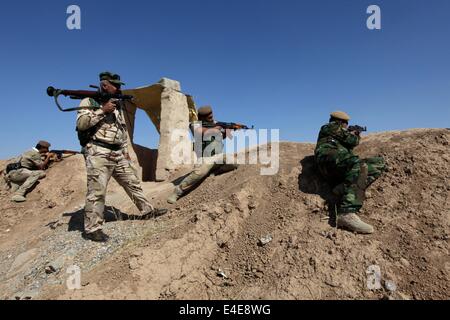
x=23, y=179
x=102, y=163
x=343, y=169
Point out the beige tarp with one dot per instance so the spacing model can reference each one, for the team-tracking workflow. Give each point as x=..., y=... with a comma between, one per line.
x=149, y=99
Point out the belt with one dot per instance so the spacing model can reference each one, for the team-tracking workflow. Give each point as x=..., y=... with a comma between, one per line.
x=112, y=147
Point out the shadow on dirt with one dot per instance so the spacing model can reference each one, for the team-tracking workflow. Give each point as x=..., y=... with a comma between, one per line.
x=76, y=222
x=311, y=182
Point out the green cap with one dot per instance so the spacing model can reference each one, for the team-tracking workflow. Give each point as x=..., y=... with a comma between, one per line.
x=111, y=77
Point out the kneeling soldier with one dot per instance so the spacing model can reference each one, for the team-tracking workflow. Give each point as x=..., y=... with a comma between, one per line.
x=346, y=172
x=23, y=175
x=202, y=169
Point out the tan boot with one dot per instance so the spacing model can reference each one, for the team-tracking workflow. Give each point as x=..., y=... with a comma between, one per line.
x=352, y=222
x=18, y=198
x=14, y=187
x=177, y=193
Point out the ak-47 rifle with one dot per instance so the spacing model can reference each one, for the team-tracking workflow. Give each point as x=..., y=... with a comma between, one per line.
x=226, y=125
x=99, y=96
x=60, y=153
x=357, y=129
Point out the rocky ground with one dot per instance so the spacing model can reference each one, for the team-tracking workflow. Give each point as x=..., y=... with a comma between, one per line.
x=242, y=235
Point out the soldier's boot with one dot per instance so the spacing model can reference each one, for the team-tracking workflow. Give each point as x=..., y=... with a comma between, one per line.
x=176, y=194
x=157, y=212
x=18, y=198
x=96, y=236
x=352, y=222
x=14, y=186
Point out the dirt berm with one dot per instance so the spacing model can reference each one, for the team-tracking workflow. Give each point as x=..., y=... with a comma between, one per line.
x=208, y=246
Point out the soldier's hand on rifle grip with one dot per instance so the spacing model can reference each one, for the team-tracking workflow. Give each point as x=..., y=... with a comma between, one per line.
x=109, y=106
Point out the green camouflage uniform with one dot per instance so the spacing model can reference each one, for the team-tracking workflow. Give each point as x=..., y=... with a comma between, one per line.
x=202, y=170
x=103, y=163
x=25, y=178
x=340, y=167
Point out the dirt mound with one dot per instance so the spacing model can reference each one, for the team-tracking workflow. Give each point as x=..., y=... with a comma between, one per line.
x=244, y=236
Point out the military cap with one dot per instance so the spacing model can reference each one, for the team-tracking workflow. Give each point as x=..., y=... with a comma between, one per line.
x=111, y=77
x=341, y=115
x=204, y=111
x=44, y=144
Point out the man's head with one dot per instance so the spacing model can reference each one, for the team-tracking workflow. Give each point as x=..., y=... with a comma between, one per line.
x=43, y=146
x=110, y=82
x=205, y=114
x=341, y=117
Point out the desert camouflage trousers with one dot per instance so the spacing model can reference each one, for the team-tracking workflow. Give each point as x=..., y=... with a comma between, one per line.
x=100, y=169
x=202, y=170
x=23, y=180
x=351, y=177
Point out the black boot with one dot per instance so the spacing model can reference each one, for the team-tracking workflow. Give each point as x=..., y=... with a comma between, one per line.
x=96, y=236
x=153, y=214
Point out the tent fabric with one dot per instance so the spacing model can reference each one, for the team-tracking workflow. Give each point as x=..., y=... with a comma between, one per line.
x=148, y=98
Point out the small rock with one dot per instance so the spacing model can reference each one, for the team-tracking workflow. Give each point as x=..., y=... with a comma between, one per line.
x=405, y=262
x=134, y=264
x=228, y=208
x=50, y=270
x=222, y=274
x=408, y=170
x=265, y=240
x=390, y=285
x=251, y=205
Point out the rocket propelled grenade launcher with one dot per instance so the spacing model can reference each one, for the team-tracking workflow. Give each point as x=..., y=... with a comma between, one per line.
x=99, y=96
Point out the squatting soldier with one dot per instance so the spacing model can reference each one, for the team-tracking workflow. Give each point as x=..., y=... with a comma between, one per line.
x=23, y=175
x=345, y=171
x=206, y=134
x=103, y=133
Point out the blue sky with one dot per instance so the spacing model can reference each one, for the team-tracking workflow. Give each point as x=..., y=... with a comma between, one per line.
x=272, y=64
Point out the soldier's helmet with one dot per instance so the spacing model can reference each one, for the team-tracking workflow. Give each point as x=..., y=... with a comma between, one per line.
x=340, y=115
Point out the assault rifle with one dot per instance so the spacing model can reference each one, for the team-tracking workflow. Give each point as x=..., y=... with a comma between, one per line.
x=357, y=129
x=99, y=96
x=226, y=125
x=60, y=153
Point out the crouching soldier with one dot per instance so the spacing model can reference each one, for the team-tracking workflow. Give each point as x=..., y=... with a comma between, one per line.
x=205, y=132
x=103, y=136
x=24, y=174
x=346, y=172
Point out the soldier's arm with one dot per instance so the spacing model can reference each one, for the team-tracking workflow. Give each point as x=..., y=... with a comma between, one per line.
x=39, y=163
x=344, y=136
x=87, y=118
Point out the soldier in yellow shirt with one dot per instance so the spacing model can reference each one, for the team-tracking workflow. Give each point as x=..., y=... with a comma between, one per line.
x=103, y=136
